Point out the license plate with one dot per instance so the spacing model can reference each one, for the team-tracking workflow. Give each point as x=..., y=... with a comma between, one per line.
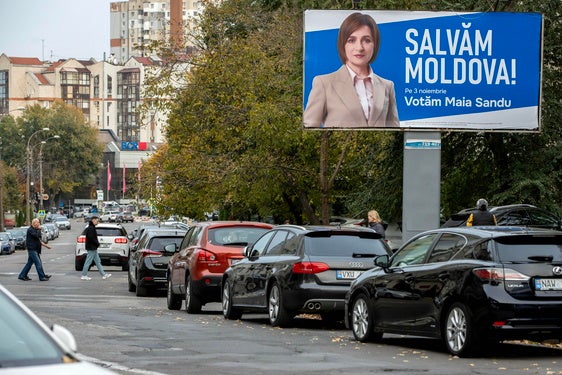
x=548, y=284
x=347, y=275
x=104, y=245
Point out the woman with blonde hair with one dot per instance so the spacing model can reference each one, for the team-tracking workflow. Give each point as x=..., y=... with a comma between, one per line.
x=375, y=222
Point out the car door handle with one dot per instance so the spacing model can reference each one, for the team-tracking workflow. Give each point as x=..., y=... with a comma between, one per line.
x=444, y=276
x=409, y=279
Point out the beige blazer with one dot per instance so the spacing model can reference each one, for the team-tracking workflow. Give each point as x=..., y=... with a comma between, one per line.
x=333, y=103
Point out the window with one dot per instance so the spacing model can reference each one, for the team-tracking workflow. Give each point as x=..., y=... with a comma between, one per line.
x=260, y=245
x=447, y=246
x=277, y=243
x=414, y=252
x=4, y=106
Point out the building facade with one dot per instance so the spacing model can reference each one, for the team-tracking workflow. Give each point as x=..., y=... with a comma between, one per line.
x=135, y=24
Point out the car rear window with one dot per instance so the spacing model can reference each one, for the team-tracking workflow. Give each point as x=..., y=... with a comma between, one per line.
x=110, y=232
x=235, y=236
x=158, y=243
x=345, y=246
x=524, y=249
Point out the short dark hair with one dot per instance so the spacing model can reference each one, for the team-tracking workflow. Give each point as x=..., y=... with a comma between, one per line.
x=352, y=23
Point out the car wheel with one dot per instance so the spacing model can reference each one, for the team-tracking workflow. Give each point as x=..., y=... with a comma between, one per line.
x=132, y=286
x=78, y=265
x=362, y=323
x=459, y=333
x=173, y=301
x=278, y=315
x=192, y=302
x=141, y=291
x=228, y=310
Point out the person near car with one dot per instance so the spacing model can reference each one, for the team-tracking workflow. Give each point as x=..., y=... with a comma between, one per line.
x=33, y=244
x=481, y=216
x=92, y=243
x=375, y=222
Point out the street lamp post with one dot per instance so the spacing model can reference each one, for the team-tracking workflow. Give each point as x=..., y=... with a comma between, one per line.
x=28, y=177
x=41, y=169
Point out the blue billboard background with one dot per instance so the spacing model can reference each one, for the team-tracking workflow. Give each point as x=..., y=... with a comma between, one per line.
x=445, y=65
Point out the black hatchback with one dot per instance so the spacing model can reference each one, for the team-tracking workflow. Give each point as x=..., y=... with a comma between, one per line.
x=466, y=286
x=148, y=261
x=299, y=269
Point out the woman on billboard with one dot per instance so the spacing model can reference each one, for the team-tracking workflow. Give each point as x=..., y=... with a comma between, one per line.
x=353, y=96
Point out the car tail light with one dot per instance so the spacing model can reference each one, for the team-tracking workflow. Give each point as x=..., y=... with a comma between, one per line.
x=150, y=253
x=206, y=256
x=310, y=268
x=81, y=239
x=494, y=274
x=120, y=240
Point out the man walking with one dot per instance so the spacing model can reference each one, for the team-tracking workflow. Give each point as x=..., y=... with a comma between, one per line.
x=33, y=242
x=91, y=245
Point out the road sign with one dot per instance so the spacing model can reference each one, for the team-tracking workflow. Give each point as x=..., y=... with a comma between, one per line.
x=45, y=197
x=100, y=195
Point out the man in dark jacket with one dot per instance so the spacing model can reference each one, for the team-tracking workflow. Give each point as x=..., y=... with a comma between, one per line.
x=91, y=245
x=482, y=216
x=33, y=243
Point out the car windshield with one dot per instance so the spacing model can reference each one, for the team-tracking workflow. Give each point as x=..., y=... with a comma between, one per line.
x=4, y=237
x=527, y=249
x=345, y=246
x=61, y=219
x=23, y=342
x=236, y=236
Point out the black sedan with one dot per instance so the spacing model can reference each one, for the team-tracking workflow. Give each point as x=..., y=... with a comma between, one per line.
x=467, y=286
x=148, y=260
x=293, y=269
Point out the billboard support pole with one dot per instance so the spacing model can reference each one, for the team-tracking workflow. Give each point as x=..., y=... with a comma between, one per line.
x=421, y=182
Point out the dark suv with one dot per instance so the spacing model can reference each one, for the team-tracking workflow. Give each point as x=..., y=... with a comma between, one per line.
x=511, y=215
x=299, y=269
x=467, y=286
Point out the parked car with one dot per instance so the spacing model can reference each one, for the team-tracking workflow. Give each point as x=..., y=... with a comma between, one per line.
x=340, y=220
x=125, y=217
x=19, y=237
x=62, y=222
x=113, y=250
x=511, y=215
x=148, y=262
x=29, y=346
x=299, y=269
x=11, y=240
x=109, y=217
x=207, y=250
x=467, y=286
x=52, y=229
x=6, y=245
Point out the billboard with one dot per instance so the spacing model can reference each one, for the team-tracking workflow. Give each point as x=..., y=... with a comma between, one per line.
x=432, y=71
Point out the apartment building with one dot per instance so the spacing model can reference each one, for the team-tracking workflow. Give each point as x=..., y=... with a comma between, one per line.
x=135, y=24
x=108, y=95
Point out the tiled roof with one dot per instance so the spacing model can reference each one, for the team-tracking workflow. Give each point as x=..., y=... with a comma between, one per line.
x=42, y=79
x=25, y=60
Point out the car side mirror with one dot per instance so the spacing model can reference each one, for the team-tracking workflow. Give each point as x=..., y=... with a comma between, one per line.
x=382, y=261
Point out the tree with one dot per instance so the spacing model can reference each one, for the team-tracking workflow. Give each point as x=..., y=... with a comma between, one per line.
x=235, y=139
x=68, y=162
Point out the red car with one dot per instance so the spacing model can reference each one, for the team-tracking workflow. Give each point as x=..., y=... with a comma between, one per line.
x=207, y=250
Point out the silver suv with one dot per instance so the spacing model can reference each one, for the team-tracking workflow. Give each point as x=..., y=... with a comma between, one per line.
x=113, y=250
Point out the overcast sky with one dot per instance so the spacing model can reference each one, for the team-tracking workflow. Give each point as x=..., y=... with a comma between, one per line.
x=55, y=29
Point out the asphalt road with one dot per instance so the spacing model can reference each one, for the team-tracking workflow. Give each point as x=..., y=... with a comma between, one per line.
x=133, y=335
